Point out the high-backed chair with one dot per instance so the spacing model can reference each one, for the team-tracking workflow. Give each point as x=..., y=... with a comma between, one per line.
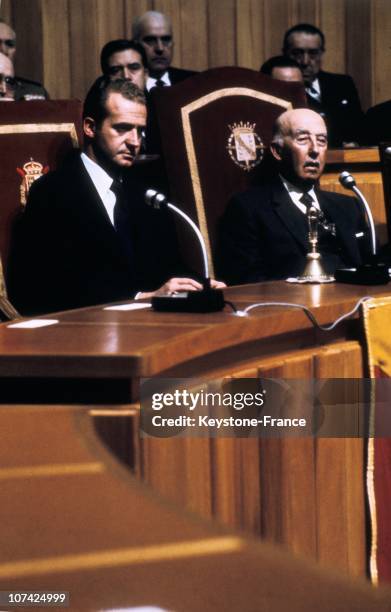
x=34, y=137
x=215, y=128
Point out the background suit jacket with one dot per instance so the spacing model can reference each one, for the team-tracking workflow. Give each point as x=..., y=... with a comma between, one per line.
x=264, y=236
x=340, y=106
x=377, y=127
x=67, y=254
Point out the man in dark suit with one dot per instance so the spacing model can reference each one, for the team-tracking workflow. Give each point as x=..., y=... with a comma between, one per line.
x=86, y=236
x=334, y=96
x=377, y=124
x=124, y=59
x=264, y=231
x=153, y=31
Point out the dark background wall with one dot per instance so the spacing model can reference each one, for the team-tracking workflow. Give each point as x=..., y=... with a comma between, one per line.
x=59, y=40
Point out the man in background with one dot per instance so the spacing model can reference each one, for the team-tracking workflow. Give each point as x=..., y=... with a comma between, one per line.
x=125, y=59
x=153, y=31
x=334, y=96
x=25, y=89
x=7, y=80
x=282, y=68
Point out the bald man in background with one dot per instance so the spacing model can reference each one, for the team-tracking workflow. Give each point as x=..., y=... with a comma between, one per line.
x=153, y=31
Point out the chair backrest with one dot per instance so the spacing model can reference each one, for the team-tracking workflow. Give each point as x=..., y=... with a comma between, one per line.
x=34, y=138
x=215, y=128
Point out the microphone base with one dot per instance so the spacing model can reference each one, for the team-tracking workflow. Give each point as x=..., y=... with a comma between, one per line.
x=363, y=275
x=207, y=300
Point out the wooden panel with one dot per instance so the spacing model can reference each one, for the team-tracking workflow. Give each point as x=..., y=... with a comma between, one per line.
x=359, y=41
x=250, y=33
x=194, y=28
x=331, y=13
x=6, y=13
x=56, y=52
x=339, y=476
x=133, y=8
x=279, y=16
x=83, y=35
x=27, y=22
x=221, y=17
x=381, y=56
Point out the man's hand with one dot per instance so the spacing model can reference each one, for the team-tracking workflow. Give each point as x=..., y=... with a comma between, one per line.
x=177, y=285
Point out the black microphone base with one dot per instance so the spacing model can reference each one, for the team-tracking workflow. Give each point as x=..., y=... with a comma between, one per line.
x=209, y=300
x=363, y=275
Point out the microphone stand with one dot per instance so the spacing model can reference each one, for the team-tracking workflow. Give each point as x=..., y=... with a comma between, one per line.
x=371, y=272
x=206, y=300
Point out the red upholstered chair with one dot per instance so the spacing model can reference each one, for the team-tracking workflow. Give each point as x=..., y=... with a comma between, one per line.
x=34, y=137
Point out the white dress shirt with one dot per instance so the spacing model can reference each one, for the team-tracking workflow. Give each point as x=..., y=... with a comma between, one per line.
x=295, y=194
x=102, y=182
x=314, y=90
x=151, y=81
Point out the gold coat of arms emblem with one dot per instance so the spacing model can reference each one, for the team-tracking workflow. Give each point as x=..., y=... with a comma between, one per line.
x=30, y=172
x=245, y=146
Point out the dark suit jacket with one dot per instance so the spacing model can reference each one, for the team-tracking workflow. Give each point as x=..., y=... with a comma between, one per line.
x=153, y=144
x=67, y=254
x=179, y=74
x=377, y=126
x=264, y=236
x=29, y=90
x=340, y=106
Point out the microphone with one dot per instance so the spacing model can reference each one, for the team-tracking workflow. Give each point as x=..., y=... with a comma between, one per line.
x=206, y=300
x=387, y=151
x=373, y=273
x=349, y=182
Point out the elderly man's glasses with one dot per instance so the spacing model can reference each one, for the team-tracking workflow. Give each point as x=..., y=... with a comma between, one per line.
x=8, y=42
x=153, y=41
x=312, y=53
x=10, y=81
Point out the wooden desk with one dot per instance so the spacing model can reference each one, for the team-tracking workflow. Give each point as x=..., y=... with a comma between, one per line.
x=307, y=494
x=74, y=520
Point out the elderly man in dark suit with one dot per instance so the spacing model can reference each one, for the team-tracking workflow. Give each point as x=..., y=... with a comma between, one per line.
x=264, y=231
x=334, y=96
x=86, y=236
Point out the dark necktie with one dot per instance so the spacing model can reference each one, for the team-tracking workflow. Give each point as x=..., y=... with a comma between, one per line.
x=160, y=83
x=307, y=200
x=122, y=221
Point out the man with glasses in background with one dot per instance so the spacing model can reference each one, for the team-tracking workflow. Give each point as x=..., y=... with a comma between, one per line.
x=334, y=96
x=7, y=80
x=24, y=89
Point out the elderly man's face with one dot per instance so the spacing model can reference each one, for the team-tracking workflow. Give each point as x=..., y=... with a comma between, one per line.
x=302, y=154
x=156, y=38
x=7, y=81
x=127, y=64
x=7, y=40
x=306, y=50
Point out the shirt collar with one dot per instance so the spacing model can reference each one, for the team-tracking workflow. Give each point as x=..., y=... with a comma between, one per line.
x=295, y=194
x=98, y=175
x=151, y=81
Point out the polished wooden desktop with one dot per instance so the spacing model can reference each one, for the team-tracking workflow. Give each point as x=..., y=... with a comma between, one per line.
x=74, y=520
x=305, y=493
